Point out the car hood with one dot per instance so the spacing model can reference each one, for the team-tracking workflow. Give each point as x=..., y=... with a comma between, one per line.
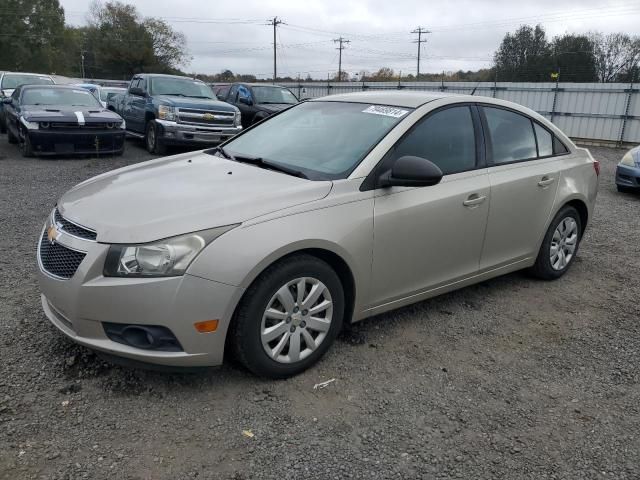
x=201, y=103
x=273, y=107
x=176, y=195
x=65, y=113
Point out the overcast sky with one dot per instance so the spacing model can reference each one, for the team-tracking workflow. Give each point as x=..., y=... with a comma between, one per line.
x=465, y=33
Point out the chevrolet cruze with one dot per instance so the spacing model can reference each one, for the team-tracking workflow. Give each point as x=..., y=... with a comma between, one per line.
x=329, y=212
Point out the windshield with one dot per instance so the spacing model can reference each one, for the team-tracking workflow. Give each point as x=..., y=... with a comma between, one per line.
x=323, y=140
x=12, y=80
x=107, y=93
x=180, y=86
x=59, y=96
x=274, y=95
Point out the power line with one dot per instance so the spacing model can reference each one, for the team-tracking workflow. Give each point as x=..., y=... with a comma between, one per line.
x=341, y=41
x=419, y=41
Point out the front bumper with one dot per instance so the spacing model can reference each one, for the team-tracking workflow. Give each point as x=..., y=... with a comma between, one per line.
x=79, y=306
x=173, y=133
x=77, y=142
x=627, y=176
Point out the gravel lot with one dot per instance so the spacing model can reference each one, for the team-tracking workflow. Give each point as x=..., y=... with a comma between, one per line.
x=512, y=378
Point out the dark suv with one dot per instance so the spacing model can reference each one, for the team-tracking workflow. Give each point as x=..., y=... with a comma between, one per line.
x=257, y=101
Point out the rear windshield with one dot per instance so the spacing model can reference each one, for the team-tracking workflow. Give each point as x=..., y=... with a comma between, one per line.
x=63, y=96
x=184, y=87
x=13, y=80
x=323, y=140
x=274, y=95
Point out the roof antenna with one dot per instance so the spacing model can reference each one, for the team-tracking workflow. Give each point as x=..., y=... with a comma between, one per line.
x=475, y=88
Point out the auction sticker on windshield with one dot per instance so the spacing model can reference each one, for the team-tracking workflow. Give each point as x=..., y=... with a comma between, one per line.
x=386, y=111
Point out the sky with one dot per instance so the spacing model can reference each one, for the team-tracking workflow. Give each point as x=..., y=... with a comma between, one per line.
x=235, y=35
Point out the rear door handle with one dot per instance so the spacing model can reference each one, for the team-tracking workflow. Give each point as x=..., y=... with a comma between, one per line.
x=545, y=181
x=474, y=200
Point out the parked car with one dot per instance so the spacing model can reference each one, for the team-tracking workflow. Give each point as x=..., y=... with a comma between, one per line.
x=628, y=171
x=102, y=93
x=329, y=212
x=10, y=80
x=172, y=110
x=221, y=90
x=257, y=101
x=57, y=119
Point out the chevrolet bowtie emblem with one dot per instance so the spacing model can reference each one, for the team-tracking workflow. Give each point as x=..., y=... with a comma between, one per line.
x=208, y=116
x=52, y=234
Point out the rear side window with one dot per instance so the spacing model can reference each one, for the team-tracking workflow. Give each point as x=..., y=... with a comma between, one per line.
x=223, y=92
x=558, y=147
x=545, y=141
x=446, y=138
x=511, y=136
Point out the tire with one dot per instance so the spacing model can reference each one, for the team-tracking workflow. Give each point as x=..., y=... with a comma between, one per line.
x=11, y=137
x=565, y=233
x=622, y=189
x=250, y=324
x=151, y=140
x=25, y=147
x=3, y=125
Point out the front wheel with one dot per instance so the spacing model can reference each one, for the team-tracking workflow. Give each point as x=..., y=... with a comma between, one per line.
x=560, y=245
x=25, y=146
x=152, y=141
x=289, y=317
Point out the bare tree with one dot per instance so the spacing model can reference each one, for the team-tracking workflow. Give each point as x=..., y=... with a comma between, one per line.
x=616, y=54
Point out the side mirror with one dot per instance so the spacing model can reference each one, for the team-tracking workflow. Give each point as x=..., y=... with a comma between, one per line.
x=409, y=171
x=245, y=100
x=7, y=100
x=137, y=91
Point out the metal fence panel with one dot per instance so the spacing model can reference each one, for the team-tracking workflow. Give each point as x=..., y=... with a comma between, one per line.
x=608, y=112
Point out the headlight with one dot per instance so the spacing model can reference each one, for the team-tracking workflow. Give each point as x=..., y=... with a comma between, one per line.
x=29, y=125
x=237, y=121
x=123, y=125
x=165, y=258
x=628, y=160
x=166, y=113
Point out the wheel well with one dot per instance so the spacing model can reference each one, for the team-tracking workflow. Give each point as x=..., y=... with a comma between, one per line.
x=148, y=116
x=581, y=207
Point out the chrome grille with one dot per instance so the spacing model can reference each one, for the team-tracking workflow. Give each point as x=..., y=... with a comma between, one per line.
x=58, y=260
x=72, y=228
x=209, y=118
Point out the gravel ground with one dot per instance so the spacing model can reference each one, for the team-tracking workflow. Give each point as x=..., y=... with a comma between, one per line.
x=511, y=378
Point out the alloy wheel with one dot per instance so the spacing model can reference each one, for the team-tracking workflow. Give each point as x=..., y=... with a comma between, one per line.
x=296, y=320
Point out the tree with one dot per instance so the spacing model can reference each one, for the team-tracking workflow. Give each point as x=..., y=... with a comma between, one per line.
x=384, y=74
x=523, y=55
x=31, y=35
x=617, y=56
x=573, y=56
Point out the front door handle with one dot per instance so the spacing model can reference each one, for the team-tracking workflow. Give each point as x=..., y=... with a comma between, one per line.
x=474, y=200
x=545, y=181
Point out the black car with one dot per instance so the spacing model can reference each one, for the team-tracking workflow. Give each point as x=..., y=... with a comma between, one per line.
x=257, y=101
x=57, y=119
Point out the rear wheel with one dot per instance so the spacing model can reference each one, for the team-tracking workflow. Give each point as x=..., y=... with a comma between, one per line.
x=152, y=141
x=560, y=245
x=289, y=317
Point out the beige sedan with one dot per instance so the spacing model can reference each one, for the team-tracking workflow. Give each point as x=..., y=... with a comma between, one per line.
x=329, y=212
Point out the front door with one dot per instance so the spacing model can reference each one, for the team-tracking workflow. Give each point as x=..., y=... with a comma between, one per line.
x=431, y=236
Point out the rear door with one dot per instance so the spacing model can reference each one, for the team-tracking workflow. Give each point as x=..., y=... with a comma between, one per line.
x=431, y=236
x=137, y=107
x=524, y=173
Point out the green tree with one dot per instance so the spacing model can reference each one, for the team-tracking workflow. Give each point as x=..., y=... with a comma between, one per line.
x=617, y=56
x=32, y=34
x=573, y=56
x=523, y=56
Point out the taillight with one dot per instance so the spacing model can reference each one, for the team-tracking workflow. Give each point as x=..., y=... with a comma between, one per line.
x=596, y=167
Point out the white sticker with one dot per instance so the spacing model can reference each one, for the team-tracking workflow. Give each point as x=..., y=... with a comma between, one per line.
x=386, y=111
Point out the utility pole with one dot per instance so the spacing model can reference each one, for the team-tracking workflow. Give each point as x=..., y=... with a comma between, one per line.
x=341, y=41
x=82, y=64
x=275, y=21
x=420, y=41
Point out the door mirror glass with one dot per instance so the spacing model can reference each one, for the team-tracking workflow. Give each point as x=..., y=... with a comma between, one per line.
x=409, y=171
x=245, y=100
x=137, y=91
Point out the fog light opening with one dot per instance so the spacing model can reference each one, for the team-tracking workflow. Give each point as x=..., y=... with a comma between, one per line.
x=138, y=337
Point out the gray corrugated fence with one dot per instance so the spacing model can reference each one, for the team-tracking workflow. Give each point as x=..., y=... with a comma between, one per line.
x=597, y=112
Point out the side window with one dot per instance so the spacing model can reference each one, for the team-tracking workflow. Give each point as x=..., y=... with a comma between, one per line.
x=143, y=84
x=16, y=94
x=446, y=137
x=243, y=92
x=558, y=147
x=233, y=94
x=545, y=141
x=134, y=83
x=511, y=136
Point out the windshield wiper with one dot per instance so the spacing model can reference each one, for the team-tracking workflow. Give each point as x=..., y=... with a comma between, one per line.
x=198, y=96
x=174, y=94
x=261, y=162
x=223, y=152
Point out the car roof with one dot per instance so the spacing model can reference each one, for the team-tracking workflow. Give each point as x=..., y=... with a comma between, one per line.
x=85, y=85
x=395, y=98
x=26, y=73
x=27, y=86
x=158, y=75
